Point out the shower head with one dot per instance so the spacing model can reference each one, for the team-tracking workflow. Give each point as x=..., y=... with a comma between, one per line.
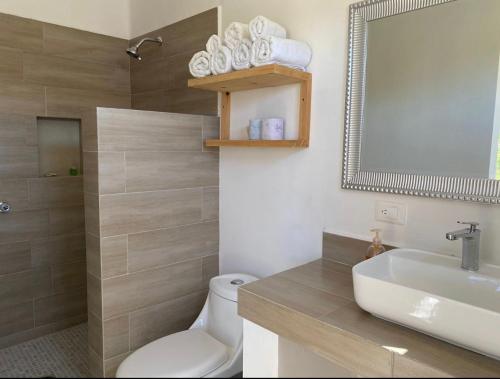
x=133, y=51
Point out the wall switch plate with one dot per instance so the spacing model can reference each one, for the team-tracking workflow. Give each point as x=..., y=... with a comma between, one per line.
x=392, y=213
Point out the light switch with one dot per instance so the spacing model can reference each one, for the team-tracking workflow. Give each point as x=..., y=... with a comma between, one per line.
x=392, y=213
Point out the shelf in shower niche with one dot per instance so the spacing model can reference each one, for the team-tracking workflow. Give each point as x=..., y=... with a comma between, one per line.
x=254, y=78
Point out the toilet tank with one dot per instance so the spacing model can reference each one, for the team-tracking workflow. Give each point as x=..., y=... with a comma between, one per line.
x=223, y=321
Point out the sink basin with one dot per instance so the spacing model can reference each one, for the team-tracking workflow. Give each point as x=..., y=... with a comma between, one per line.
x=430, y=293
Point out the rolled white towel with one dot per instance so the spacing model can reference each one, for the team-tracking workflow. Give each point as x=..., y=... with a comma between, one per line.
x=199, y=66
x=242, y=54
x=235, y=33
x=286, y=52
x=261, y=26
x=221, y=61
x=213, y=43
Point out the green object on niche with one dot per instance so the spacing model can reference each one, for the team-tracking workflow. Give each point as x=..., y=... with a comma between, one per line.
x=73, y=171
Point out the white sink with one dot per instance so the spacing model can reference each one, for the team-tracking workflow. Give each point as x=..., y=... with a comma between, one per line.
x=432, y=294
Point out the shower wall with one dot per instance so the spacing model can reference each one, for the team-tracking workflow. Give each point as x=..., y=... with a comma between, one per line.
x=153, y=244
x=159, y=81
x=47, y=71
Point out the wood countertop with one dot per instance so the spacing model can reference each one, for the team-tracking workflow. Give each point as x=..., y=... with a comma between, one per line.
x=313, y=305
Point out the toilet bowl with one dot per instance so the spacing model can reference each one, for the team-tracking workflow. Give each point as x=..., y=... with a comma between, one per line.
x=212, y=347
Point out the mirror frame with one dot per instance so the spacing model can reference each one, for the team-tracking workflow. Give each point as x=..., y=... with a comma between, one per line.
x=454, y=188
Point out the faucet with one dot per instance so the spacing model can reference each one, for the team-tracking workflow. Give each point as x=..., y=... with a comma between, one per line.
x=470, y=246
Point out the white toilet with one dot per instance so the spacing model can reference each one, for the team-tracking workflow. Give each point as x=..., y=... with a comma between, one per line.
x=212, y=347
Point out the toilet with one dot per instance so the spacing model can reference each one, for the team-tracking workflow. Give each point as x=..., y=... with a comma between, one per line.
x=212, y=347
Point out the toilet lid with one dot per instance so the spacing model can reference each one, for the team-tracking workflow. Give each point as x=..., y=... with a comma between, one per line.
x=188, y=354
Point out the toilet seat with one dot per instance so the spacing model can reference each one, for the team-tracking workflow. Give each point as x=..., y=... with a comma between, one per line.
x=188, y=354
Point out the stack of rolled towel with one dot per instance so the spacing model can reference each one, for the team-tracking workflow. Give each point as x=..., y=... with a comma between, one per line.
x=259, y=43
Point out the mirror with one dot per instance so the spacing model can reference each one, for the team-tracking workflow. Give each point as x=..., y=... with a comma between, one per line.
x=423, y=99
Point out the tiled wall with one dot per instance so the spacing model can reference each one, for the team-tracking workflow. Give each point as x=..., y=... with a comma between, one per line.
x=154, y=239
x=52, y=71
x=159, y=81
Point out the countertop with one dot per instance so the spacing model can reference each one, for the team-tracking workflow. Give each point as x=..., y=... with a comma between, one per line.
x=314, y=305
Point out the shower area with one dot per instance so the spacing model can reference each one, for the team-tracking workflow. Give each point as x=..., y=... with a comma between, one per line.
x=108, y=199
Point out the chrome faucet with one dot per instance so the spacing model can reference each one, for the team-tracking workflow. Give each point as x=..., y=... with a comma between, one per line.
x=470, y=244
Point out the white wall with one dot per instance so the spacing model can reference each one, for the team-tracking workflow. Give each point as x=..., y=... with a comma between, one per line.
x=276, y=203
x=150, y=15
x=109, y=17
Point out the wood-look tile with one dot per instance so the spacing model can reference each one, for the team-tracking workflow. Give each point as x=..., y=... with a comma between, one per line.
x=130, y=130
x=149, y=324
x=58, y=307
x=319, y=275
x=90, y=172
x=349, y=351
x=95, y=334
x=92, y=219
x=21, y=287
x=68, y=220
x=96, y=364
x=210, y=130
x=155, y=171
x=149, y=101
x=15, y=192
x=14, y=257
x=167, y=246
x=22, y=98
x=210, y=269
x=346, y=250
x=18, y=130
x=406, y=368
x=69, y=276
x=297, y=296
x=67, y=73
x=149, y=75
x=178, y=69
x=89, y=131
x=134, y=291
x=20, y=33
x=192, y=101
x=116, y=336
x=111, y=365
x=32, y=333
x=18, y=162
x=93, y=255
x=139, y=212
x=68, y=102
x=58, y=250
x=210, y=203
x=16, y=318
x=11, y=64
x=84, y=46
x=24, y=226
x=114, y=256
x=56, y=192
x=94, y=295
x=112, y=173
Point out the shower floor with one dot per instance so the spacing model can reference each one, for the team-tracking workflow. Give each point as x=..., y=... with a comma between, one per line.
x=61, y=355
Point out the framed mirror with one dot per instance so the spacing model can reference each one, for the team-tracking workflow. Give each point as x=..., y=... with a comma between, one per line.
x=423, y=99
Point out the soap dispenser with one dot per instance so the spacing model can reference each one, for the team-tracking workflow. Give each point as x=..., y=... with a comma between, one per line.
x=376, y=247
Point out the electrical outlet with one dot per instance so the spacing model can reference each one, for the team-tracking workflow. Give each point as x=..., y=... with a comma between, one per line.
x=392, y=213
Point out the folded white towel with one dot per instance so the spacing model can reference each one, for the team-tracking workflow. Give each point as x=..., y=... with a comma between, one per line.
x=263, y=27
x=242, y=54
x=286, y=52
x=235, y=33
x=213, y=43
x=221, y=61
x=199, y=66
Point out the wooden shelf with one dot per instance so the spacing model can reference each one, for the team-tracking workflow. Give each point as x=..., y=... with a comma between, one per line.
x=254, y=78
x=260, y=143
